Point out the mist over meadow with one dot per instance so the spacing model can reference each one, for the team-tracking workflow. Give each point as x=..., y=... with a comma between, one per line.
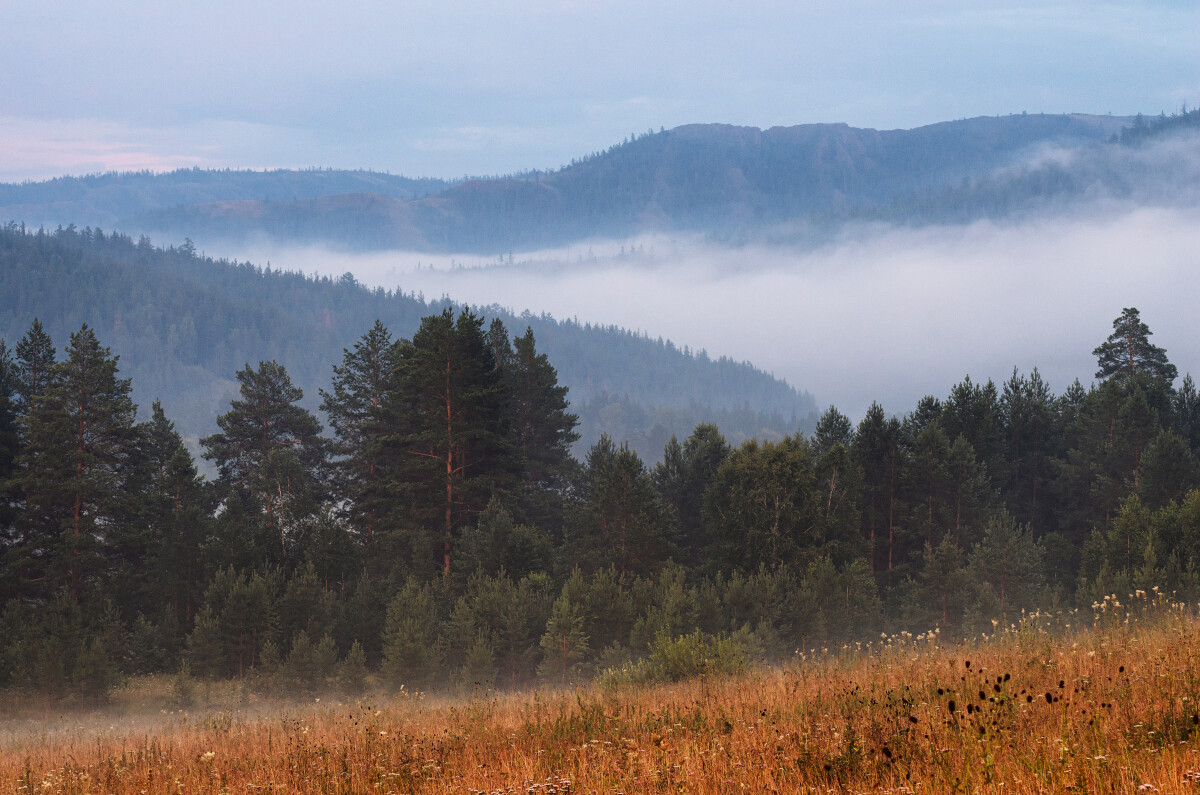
x=883, y=313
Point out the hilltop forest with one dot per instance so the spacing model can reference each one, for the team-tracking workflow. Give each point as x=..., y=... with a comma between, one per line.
x=439, y=533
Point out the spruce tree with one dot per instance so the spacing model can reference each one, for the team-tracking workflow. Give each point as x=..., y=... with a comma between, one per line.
x=543, y=427
x=35, y=366
x=354, y=410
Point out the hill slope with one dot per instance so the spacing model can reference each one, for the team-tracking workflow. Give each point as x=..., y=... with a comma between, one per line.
x=184, y=325
x=99, y=200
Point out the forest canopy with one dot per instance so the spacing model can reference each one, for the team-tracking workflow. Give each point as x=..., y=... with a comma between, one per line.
x=439, y=532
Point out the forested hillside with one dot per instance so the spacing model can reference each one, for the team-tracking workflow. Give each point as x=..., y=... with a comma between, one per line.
x=710, y=177
x=100, y=200
x=184, y=324
x=1153, y=162
x=716, y=178
x=438, y=533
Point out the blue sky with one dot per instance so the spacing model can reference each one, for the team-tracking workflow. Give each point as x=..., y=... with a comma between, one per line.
x=453, y=88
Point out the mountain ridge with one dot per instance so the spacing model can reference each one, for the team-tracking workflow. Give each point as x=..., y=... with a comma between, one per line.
x=709, y=177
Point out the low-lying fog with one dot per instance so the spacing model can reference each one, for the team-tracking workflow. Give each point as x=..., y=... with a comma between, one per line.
x=886, y=314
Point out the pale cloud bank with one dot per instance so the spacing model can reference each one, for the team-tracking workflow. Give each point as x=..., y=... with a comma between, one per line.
x=886, y=314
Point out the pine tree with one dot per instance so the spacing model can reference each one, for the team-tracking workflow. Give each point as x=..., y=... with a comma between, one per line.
x=877, y=451
x=1186, y=410
x=1028, y=419
x=76, y=466
x=763, y=507
x=839, y=479
x=410, y=648
x=1011, y=563
x=1128, y=351
x=544, y=428
x=973, y=411
x=449, y=450
x=269, y=454
x=158, y=555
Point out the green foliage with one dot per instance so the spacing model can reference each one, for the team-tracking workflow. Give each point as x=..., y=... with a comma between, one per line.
x=1128, y=352
x=270, y=457
x=763, y=508
x=60, y=649
x=410, y=650
x=449, y=449
x=309, y=666
x=564, y=645
x=962, y=512
x=352, y=671
x=683, y=657
x=621, y=519
x=238, y=617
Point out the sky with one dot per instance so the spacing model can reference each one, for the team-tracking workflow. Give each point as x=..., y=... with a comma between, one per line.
x=474, y=87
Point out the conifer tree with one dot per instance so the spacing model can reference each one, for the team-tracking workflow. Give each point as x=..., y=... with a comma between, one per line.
x=622, y=520
x=35, y=366
x=682, y=478
x=564, y=645
x=763, y=508
x=449, y=449
x=543, y=427
x=9, y=444
x=76, y=465
x=269, y=454
x=1128, y=351
x=354, y=410
x=877, y=451
x=1010, y=562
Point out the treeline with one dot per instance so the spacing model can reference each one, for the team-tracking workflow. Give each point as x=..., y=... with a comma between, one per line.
x=441, y=534
x=183, y=323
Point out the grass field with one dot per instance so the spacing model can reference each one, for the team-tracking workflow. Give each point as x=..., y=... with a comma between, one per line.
x=1099, y=702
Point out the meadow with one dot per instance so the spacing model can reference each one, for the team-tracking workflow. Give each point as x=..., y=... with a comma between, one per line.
x=1100, y=700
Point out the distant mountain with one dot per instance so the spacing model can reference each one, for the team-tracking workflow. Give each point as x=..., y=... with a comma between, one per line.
x=100, y=200
x=184, y=324
x=711, y=177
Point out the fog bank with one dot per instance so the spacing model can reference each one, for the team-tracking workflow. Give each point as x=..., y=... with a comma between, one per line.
x=885, y=314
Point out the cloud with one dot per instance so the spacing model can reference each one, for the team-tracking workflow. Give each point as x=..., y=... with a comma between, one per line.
x=886, y=315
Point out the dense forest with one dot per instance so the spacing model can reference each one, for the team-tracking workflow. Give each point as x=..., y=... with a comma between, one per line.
x=184, y=323
x=438, y=532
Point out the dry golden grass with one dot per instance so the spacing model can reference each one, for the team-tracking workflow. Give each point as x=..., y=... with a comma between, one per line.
x=1041, y=707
